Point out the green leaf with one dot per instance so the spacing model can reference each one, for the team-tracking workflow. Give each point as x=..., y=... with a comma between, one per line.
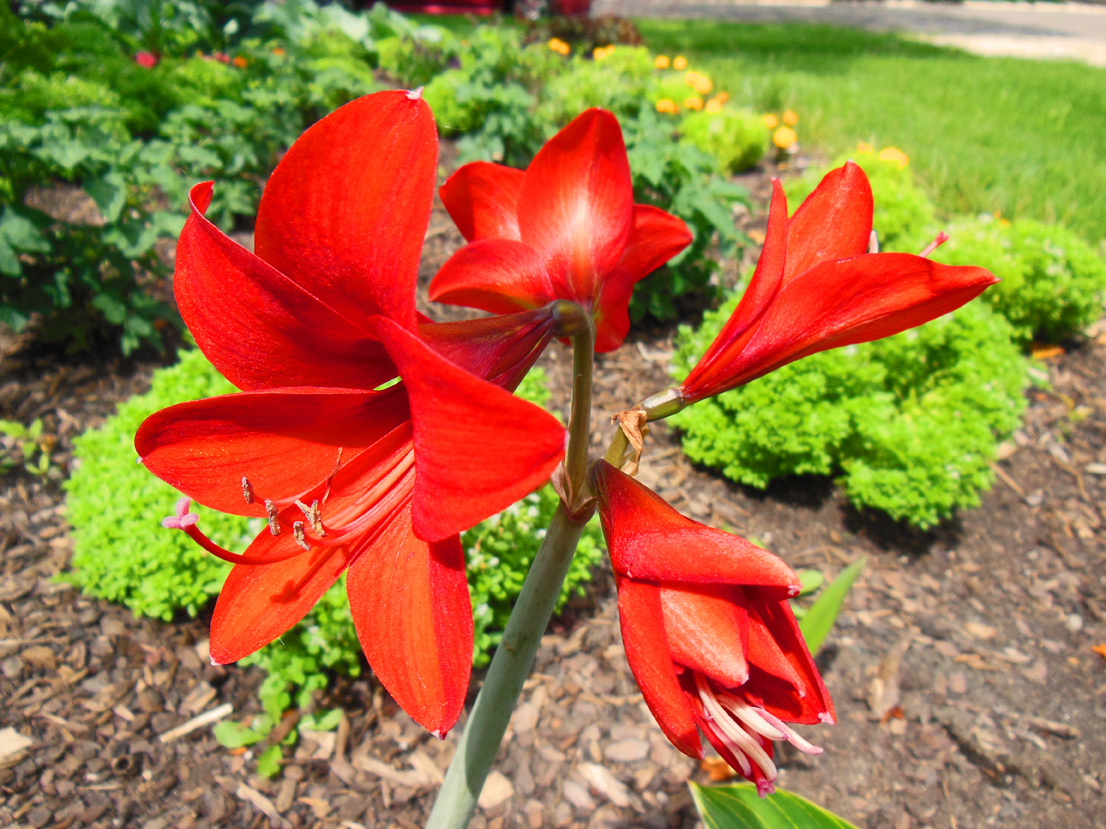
x=326, y=721
x=820, y=616
x=233, y=735
x=109, y=193
x=811, y=581
x=268, y=764
x=738, y=806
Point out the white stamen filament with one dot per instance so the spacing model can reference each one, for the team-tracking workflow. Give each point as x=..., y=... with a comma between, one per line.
x=732, y=732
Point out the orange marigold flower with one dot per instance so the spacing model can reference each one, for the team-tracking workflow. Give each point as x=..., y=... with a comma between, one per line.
x=894, y=154
x=700, y=83
x=279, y=52
x=694, y=103
x=713, y=106
x=668, y=105
x=784, y=137
x=661, y=61
x=240, y=62
x=771, y=121
x=790, y=118
x=679, y=63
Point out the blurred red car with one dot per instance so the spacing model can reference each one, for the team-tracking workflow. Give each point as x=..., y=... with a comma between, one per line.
x=570, y=8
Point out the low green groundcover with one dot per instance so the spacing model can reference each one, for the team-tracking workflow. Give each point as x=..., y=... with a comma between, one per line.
x=911, y=423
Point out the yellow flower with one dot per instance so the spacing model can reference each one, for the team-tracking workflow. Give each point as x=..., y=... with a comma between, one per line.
x=668, y=105
x=679, y=63
x=700, y=83
x=559, y=46
x=895, y=155
x=602, y=52
x=771, y=121
x=864, y=147
x=784, y=137
x=693, y=103
x=661, y=61
x=722, y=97
x=713, y=106
x=790, y=118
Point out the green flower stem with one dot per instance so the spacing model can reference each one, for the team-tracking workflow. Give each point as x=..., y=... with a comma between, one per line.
x=513, y=658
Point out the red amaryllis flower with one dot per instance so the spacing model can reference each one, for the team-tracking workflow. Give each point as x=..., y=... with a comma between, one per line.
x=708, y=631
x=351, y=477
x=816, y=288
x=565, y=228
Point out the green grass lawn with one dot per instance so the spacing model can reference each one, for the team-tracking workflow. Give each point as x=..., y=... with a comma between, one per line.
x=1025, y=138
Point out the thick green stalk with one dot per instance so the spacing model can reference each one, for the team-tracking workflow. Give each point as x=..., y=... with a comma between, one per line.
x=510, y=666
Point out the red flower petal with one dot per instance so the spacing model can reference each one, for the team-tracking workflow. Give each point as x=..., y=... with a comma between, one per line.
x=777, y=647
x=496, y=275
x=576, y=203
x=648, y=539
x=482, y=200
x=852, y=301
x=345, y=212
x=834, y=222
x=713, y=368
x=498, y=349
x=258, y=603
x=655, y=237
x=707, y=631
x=410, y=605
x=259, y=328
x=641, y=618
x=478, y=449
x=283, y=442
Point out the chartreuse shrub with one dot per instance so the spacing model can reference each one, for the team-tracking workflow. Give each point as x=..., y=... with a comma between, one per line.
x=1053, y=283
x=910, y=423
x=121, y=552
x=735, y=137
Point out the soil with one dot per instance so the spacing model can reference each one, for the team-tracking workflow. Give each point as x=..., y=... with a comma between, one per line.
x=963, y=670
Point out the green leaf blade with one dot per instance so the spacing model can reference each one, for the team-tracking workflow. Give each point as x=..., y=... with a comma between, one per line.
x=738, y=806
x=820, y=616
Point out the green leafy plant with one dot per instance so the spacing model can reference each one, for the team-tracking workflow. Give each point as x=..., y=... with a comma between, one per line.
x=26, y=447
x=911, y=422
x=683, y=180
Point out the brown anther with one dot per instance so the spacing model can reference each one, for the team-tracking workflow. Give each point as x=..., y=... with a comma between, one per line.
x=312, y=514
x=247, y=490
x=298, y=534
x=274, y=523
x=330, y=480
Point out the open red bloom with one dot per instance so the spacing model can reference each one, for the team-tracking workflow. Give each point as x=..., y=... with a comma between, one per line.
x=350, y=476
x=147, y=60
x=708, y=631
x=565, y=228
x=816, y=288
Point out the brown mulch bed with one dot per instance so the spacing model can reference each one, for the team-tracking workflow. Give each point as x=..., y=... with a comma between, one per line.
x=962, y=667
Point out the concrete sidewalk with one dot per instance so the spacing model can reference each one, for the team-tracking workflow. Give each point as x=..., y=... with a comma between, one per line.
x=1067, y=31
